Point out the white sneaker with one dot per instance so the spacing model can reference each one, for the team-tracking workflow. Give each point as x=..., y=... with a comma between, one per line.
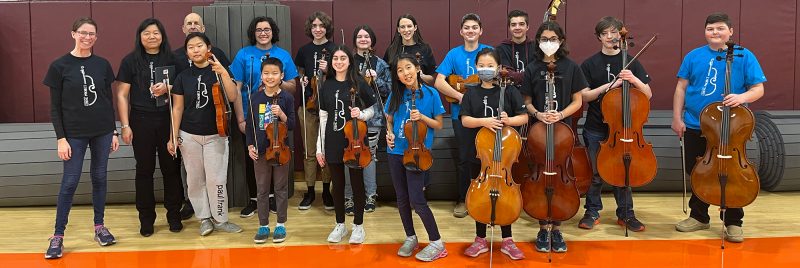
x=339, y=231
x=358, y=235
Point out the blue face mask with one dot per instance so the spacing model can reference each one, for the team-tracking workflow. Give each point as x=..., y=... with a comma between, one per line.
x=487, y=74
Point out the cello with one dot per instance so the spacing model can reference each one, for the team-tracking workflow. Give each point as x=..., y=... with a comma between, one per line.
x=222, y=108
x=724, y=176
x=416, y=157
x=356, y=153
x=628, y=159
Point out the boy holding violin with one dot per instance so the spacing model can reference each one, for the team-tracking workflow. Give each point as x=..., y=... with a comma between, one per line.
x=600, y=71
x=700, y=82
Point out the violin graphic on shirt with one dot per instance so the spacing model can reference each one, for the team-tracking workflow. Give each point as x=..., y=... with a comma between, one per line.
x=88, y=88
x=710, y=79
x=339, y=114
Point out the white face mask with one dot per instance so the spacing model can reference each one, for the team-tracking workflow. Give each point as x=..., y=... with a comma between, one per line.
x=549, y=48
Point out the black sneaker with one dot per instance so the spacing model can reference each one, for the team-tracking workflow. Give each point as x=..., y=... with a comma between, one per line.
x=308, y=199
x=249, y=210
x=273, y=205
x=327, y=201
x=349, y=207
x=146, y=230
x=56, y=248
x=370, y=205
x=187, y=211
x=632, y=223
x=588, y=221
x=559, y=245
x=543, y=241
x=175, y=226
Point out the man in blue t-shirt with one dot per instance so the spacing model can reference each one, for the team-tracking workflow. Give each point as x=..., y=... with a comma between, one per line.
x=461, y=61
x=701, y=80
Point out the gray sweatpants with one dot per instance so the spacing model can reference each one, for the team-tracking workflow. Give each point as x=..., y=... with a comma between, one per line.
x=206, y=161
x=266, y=175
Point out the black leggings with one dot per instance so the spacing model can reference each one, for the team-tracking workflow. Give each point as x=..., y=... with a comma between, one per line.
x=359, y=196
x=480, y=230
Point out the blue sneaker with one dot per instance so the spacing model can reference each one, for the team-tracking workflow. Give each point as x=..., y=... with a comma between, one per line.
x=543, y=241
x=559, y=245
x=56, y=248
x=103, y=236
x=261, y=235
x=279, y=235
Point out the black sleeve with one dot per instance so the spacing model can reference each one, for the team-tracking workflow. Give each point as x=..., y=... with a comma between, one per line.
x=299, y=59
x=638, y=70
x=527, y=82
x=466, y=105
x=505, y=55
x=365, y=92
x=517, y=103
x=289, y=110
x=126, y=70
x=53, y=79
x=586, y=69
x=578, y=80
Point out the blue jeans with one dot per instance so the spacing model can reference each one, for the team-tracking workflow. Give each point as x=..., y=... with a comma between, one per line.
x=101, y=147
x=370, y=183
x=593, y=202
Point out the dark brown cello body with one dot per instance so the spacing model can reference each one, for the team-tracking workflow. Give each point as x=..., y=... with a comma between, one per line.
x=416, y=157
x=724, y=176
x=579, y=160
x=356, y=153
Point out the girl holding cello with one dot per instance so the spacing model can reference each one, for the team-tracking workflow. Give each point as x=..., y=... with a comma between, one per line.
x=569, y=82
x=270, y=105
x=409, y=184
x=339, y=109
x=204, y=147
x=479, y=107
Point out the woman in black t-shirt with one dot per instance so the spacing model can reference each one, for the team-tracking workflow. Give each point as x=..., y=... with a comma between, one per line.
x=408, y=40
x=336, y=110
x=569, y=82
x=83, y=116
x=205, y=152
x=142, y=103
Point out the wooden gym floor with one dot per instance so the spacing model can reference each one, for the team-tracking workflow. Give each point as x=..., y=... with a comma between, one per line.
x=771, y=226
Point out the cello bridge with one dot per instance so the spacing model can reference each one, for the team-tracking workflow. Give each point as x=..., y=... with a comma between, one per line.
x=724, y=156
x=495, y=176
x=549, y=173
x=626, y=140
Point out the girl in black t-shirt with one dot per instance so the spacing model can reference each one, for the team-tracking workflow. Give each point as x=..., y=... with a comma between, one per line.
x=336, y=110
x=569, y=82
x=408, y=40
x=83, y=116
x=142, y=107
x=479, y=109
x=205, y=152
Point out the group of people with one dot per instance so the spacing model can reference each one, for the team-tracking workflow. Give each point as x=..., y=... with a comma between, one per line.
x=174, y=118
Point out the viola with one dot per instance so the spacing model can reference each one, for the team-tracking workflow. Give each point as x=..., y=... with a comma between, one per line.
x=416, y=157
x=222, y=108
x=459, y=83
x=316, y=83
x=357, y=153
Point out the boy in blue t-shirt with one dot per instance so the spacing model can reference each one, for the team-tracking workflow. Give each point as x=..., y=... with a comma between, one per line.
x=461, y=61
x=701, y=80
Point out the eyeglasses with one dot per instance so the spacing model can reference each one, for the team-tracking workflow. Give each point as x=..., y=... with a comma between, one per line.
x=86, y=34
x=265, y=30
x=553, y=39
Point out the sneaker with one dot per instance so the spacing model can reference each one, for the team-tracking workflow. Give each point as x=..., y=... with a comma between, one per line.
x=228, y=227
x=308, y=199
x=632, y=223
x=690, y=225
x=206, y=227
x=543, y=241
x=56, y=248
x=408, y=247
x=249, y=210
x=358, y=235
x=273, y=205
x=349, y=207
x=103, y=236
x=734, y=234
x=432, y=252
x=327, y=201
x=559, y=245
x=477, y=248
x=279, y=235
x=460, y=210
x=176, y=226
x=146, y=230
x=339, y=231
x=369, y=207
x=261, y=235
x=187, y=211
x=511, y=249
x=588, y=221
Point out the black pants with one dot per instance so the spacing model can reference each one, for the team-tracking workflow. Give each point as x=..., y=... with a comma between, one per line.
x=463, y=177
x=249, y=172
x=359, y=195
x=695, y=146
x=151, y=133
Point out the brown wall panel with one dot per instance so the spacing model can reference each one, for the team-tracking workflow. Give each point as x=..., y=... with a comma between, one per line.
x=663, y=58
x=115, y=40
x=433, y=25
x=17, y=105
x=300, y=10
x=51, y=24
x=351, y=13
x=581, y=20
x=777, y=59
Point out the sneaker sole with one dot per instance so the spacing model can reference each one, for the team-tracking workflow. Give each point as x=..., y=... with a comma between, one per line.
x=621, y=223
x=409, y=253
x=504, y=251
x=559, y=250
x=329, y=208
x=692, y=229
x=50, y=257
x=340, y=239
x=259, y=241
x=588, y=227
x=303, y=207
x=106, y=244
x=460, y=215
x=247, y=215
x=545, y=250
x=206, y=232
x=441, y=255
x=278, y=240
x=483, y=250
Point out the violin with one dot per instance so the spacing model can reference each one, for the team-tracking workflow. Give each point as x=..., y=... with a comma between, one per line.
x=459, y=83
x=277, y=153
x=416, y=157
x=357, y=153
x=222, y=108
x=724, y=176
x=493, y=197
x=316, y=83
x=551, y=194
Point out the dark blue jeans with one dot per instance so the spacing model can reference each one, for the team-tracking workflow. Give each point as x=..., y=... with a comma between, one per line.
x=593, y=203
x=408, y=188
x=100, y=147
